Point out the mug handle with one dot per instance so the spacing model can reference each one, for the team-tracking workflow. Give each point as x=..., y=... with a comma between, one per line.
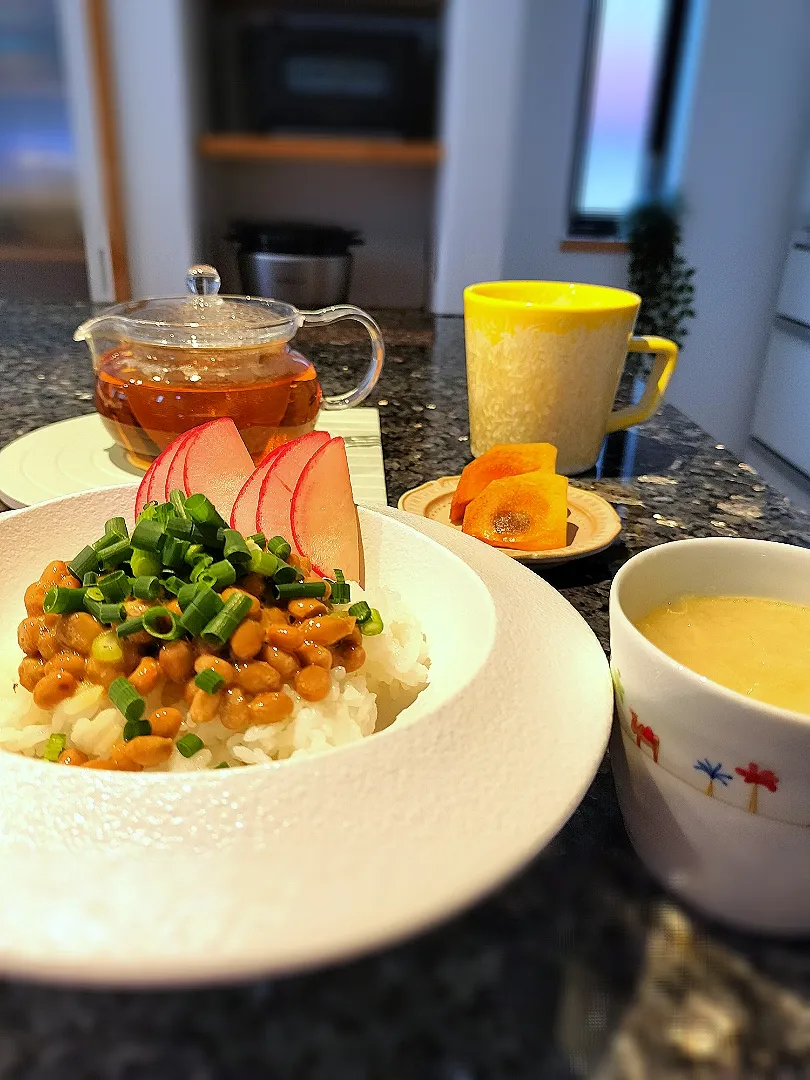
x=666, y=357
x=348, y=311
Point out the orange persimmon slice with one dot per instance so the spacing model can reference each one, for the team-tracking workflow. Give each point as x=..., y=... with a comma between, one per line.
x=527, y=512
x=497, y=463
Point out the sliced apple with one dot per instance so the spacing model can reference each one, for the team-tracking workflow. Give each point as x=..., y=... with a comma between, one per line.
x=174, y=477
x=324, y=518
x=142, y=498
x=216, y=463
x=272, y=514
x=245, y=508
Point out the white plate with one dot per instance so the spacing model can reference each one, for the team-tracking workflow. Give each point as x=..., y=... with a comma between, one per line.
x=80, y=455
x=159, y=879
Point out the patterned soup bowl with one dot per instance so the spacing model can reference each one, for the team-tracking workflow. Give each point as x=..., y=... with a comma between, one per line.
x=714, y=786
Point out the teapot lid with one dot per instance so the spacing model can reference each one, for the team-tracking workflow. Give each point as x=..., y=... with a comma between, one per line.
x=200, y=319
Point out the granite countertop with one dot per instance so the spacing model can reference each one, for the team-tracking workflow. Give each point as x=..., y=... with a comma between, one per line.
x=581, y=966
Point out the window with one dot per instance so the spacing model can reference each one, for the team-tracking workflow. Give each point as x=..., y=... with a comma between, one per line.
x=627, y=111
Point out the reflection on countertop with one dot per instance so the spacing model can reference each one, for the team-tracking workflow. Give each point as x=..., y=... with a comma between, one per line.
x=581, y=966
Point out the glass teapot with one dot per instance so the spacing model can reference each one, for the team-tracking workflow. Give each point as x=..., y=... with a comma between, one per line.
x=166, y=364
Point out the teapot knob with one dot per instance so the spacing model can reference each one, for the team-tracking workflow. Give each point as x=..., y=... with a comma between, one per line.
x=202, y=280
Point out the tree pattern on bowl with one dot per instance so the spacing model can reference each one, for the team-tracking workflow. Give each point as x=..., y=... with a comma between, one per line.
x=643, y=734
x=714, y=773
x=757, y=777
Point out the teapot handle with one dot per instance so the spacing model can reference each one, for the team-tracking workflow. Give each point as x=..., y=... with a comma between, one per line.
x=348, y=311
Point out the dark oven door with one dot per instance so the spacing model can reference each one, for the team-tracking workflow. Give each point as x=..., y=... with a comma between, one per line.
x=338, y=81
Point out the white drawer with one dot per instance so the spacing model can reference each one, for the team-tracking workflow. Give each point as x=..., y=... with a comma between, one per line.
x=782, y=414
x=794, y=296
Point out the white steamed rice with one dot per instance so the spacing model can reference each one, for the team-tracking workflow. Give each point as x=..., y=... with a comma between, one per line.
x=359, y=703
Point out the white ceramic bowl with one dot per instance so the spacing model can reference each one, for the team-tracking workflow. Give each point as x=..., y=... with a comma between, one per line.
x=147, y=879
x=714, y=786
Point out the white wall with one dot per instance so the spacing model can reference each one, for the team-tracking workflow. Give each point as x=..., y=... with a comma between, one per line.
x=551, y=64
x=83, y=107
x=512, y=85
x=481, y=85
x=742, y=166
x=154, y=97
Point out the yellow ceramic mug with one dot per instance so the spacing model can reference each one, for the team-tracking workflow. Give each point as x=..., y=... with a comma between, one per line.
x=544, y=359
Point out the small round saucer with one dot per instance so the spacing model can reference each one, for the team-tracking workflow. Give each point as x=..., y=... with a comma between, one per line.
x=593, y=524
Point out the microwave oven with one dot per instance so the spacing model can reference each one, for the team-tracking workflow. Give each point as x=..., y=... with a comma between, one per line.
x=325, y=73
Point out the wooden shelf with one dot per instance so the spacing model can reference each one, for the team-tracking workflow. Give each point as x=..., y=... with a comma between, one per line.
x=228, y=147
x=594, y=247
x=22, y=253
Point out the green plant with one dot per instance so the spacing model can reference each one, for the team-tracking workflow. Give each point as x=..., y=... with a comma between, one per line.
x=658, y=272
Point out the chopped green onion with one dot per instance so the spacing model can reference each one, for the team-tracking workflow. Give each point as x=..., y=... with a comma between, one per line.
x=200, y=509
x=84, y=563
x=62, y=601
x=116, y=553
x=218, y=575
x=93, y=592
x=116, y=526
x=127, y=700
x=154, y=623
x=173, y=552
x=340, y=592
x=90, y=578
x=261, y=541
x=235, y=549
x=145, y=563
x=222, y=765
x=203, y=608
x=148, y=536
x=54, y=746
x=209, y=680
x=148, y=512
x=263, y=562
x=189, y=744
x=164, y=513
x=373, y=625
x=182, y=528
x=213, y=536
x=105, y=541
x=186, y=594
x=106, y=647
x=134, y=728
x=285, y=574
x=279, y=547
x=296, y=589
x=174, y=584
x=201, y=564
x=114, y=587
x=105, y=613
x=178, y=500
x=146, y=587
x=193, y=553
x=129, y=626
x=361, y=611
x=220, y=628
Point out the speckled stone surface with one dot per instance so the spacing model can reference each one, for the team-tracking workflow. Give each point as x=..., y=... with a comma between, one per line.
x=581, y=967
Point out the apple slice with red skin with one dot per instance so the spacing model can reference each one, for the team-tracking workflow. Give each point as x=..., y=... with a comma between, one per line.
x=272, y=515
x=174, y=477
x=245, y=508
x=154, y=481
x=325, y=525
x=216, y=463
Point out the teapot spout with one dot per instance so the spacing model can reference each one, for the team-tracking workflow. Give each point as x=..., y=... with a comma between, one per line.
x=88, y=328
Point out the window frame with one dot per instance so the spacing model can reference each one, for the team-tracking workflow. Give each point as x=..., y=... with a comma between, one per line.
x=658, y=137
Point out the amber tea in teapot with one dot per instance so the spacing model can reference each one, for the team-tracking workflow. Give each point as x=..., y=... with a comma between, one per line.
x=165, y=365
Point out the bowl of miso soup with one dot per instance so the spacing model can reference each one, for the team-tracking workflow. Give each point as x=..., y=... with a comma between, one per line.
x=710, y=654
